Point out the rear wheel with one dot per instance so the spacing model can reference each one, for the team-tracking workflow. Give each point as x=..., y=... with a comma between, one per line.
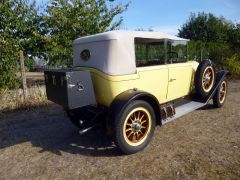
x=135, y=127
x=220, y=96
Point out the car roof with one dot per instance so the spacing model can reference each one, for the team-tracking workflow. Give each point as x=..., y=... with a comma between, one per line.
x=124, y=34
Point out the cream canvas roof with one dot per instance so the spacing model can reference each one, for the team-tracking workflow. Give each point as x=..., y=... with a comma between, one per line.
x=121, y=34
x=113, y=52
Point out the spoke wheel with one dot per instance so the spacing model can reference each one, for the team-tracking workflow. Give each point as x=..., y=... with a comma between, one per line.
x=223, y=91
x=134, y=127
x=220, y=96
x=208, y=79
x=137, y=125
x=205, y=78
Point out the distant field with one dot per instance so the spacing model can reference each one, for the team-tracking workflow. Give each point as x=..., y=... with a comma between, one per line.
x=35, y=78
x=42, y=144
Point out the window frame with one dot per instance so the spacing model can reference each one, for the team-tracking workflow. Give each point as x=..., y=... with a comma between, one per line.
x=165, y=41
x=168, y=61
x=147, y=50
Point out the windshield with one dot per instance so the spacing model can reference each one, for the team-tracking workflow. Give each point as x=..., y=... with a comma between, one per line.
x=176, y=51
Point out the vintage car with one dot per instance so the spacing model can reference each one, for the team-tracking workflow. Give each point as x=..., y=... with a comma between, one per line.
x=131, y=81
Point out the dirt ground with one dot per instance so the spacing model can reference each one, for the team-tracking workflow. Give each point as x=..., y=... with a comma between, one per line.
x=43, y=144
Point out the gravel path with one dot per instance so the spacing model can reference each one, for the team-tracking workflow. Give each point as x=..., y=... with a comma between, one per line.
x=43, y=144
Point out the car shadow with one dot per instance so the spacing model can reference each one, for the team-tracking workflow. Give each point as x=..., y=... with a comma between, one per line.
x=51, y=131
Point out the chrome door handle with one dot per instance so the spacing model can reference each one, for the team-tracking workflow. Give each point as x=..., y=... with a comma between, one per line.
x=71, y=85
x=172, y=79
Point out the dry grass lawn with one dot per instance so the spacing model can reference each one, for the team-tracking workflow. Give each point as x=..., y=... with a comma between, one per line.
x=42, y=144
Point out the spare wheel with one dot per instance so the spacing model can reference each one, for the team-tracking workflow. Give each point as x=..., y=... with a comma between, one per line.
x=205, y=78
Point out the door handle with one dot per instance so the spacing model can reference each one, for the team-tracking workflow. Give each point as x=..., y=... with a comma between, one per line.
x=172, y=79
x=71, y=85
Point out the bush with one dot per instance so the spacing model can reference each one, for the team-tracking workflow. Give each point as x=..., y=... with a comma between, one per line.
x=8, y=66
x=233, y=64
x=29, y=63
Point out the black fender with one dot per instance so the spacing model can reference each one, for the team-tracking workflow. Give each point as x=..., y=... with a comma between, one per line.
x=221, y=74
x=122, y=100
x=219, y=78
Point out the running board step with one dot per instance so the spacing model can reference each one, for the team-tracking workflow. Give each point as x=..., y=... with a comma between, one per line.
x=184, y=109
x=195, y=102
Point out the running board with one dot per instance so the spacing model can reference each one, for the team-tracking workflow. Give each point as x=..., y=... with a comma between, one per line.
x=184, y=109
x=194, y=101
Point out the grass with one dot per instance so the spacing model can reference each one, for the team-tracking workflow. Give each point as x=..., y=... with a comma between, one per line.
x=14, y=99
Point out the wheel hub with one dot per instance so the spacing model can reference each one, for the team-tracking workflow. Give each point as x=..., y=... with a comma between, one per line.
x=136, y=126
x=207, y=78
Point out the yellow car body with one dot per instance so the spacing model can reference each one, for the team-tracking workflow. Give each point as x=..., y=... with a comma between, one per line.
x=112, y=62
x=128, y=81
x=165, y=82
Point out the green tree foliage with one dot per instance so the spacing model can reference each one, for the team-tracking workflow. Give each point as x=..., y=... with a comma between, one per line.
x=234, y=38
x=205, y=27
x=209, y=36
x=52, y=28
x=233, y=64
x=66, y=20
x=8, y=65
x=214, y=38
x=19, y=22
x=17, y=31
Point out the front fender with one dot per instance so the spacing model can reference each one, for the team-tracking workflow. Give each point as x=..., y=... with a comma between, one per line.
x=220, y=75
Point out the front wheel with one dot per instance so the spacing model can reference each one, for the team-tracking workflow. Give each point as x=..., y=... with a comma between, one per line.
x=135, y=127
x=220, y=96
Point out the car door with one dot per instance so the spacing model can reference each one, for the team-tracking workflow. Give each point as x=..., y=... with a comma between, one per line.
x=179, y=80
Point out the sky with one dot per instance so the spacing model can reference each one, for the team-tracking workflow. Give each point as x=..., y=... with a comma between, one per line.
x=169, y=15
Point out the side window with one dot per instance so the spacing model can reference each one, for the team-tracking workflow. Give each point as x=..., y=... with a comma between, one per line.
x=149, y=52
x=156, y=53
x=140, y=53
x=176, y=51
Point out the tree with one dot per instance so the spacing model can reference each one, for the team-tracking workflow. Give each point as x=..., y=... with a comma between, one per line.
x=19, y=22
x=23, y=26
x=205, y=27
x=214, y=38
x=234, y=38
x=211, y=36
x=66, y=20
x=15, y=34
x=8, y=65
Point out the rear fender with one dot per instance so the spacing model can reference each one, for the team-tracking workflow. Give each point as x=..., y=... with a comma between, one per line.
x=122, y=100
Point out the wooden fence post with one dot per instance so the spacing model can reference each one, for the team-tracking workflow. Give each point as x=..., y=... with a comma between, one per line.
x=23, y=74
